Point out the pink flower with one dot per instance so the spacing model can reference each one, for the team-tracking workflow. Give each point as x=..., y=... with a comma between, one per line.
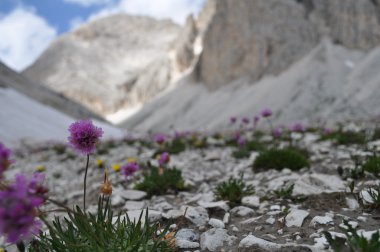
x=245, y=120
x=18, y=203
x=233, y=120
x=160, y=138
x=164, y=159
x=277, y=132
x=298, y=127
x=84, y=136
x=130, y=169
x=266, y=112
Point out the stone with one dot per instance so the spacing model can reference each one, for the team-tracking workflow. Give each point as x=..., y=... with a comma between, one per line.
x=216, y=238
x=251, y=201
x=216, y=204
x=134, y=205
x=252, y=241
x=216, y=223
x=187, y=234
x=197, y=215
x=322, y=220
x=184, y=244
x=296, y=217
x=242, y=211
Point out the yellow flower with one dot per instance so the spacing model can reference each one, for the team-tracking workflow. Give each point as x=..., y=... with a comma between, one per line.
x=116, y=167
x=131, y=160
x=2, y=250
x=40, y=168
x=100, y=163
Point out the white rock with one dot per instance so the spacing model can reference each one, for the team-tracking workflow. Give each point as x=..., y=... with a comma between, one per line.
x=215, y=238
x=323, y=220
x=252, y=201
x=184, y=244
x=226, y=218
x=271, y=220
x=216, y=223
x=352, y=203
x=251, y=241
x=216, y=204
x=296, y=217
x=187, y=234
x=129, y=194
x=242, y=211
x=134, y=205
x=197, y=215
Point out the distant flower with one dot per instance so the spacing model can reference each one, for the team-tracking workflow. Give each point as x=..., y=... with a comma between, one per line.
x=116, y=167
x=327, y=131
x=130, y=169
x=277, y=132
x=245, y=120
x=164, y=159
x=266, y=112
x=233, y=120
x=256, y=119
x=237, y=135
x=298, y=127
x=160, y=138
x=18, y=203
x=4, y=159
x=241, y=142
x=84, y=136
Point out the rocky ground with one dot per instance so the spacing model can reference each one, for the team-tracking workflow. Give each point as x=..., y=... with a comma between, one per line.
x=320, y=201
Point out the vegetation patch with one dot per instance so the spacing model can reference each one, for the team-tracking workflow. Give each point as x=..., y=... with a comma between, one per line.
x=233, y=190
x=279, y=159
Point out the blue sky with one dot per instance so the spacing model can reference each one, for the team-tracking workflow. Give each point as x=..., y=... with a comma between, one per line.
x=27, y=27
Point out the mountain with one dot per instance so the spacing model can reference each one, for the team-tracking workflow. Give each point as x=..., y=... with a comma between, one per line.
x=110, y=63
x=11, y=79
x=308, y=60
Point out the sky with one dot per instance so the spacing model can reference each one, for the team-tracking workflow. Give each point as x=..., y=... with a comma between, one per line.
x=27, y=27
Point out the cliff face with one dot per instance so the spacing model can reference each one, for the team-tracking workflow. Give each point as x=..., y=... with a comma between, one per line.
x=110, y=63
x=251, y=39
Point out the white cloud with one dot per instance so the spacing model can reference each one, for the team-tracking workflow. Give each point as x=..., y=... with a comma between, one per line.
x=87, y=3
x=176, y=10
x=24, y=36
x=76, y=22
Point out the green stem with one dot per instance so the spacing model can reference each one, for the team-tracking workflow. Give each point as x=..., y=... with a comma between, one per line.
x=84, y=184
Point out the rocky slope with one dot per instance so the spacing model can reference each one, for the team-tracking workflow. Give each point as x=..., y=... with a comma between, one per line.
x=308, y=60
x=111, y=63
x=11, y=79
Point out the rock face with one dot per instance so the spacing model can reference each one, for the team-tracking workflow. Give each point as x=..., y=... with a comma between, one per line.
x=11, y=79
x=251, y=39
x=109, y=63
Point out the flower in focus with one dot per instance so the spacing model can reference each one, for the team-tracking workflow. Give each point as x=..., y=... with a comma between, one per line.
x=84, y=136
x=130, y=169
x=245, y=120
x=160, y=138
x=18, y=203
x=164, y=159
x=233, y=120
x=298, y=127
x=106, y=187
x=277, y=132
x=4, y=159
x=266, y=112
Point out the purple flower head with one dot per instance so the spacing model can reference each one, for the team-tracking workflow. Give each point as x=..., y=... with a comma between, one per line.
x=130, y=169
x=4, y=159
x=84, y=136
x=245, y=120
x=160, y=138
x=256, y=120
x=298, y=127
x=164, y=159
x=241, y=142
x=18, y=203
x=233, y=120
x=266, y=112
x=237, y=135
x=327, y=131
x=277, y=132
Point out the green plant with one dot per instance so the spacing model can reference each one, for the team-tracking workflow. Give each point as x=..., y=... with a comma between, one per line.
x=372, y=165
x=85, y=232
x=241, y=153
x=279, y=159
x=233, y=190
x=284, y=193
x=353, y=241
x=158, y=181
x=376, y=134
x=346, y=137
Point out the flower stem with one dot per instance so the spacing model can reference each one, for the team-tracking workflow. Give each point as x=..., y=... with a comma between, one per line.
x=84, y=184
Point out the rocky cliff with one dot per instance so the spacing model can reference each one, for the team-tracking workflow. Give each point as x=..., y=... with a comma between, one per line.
x=111, y=63
x=252, y=39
